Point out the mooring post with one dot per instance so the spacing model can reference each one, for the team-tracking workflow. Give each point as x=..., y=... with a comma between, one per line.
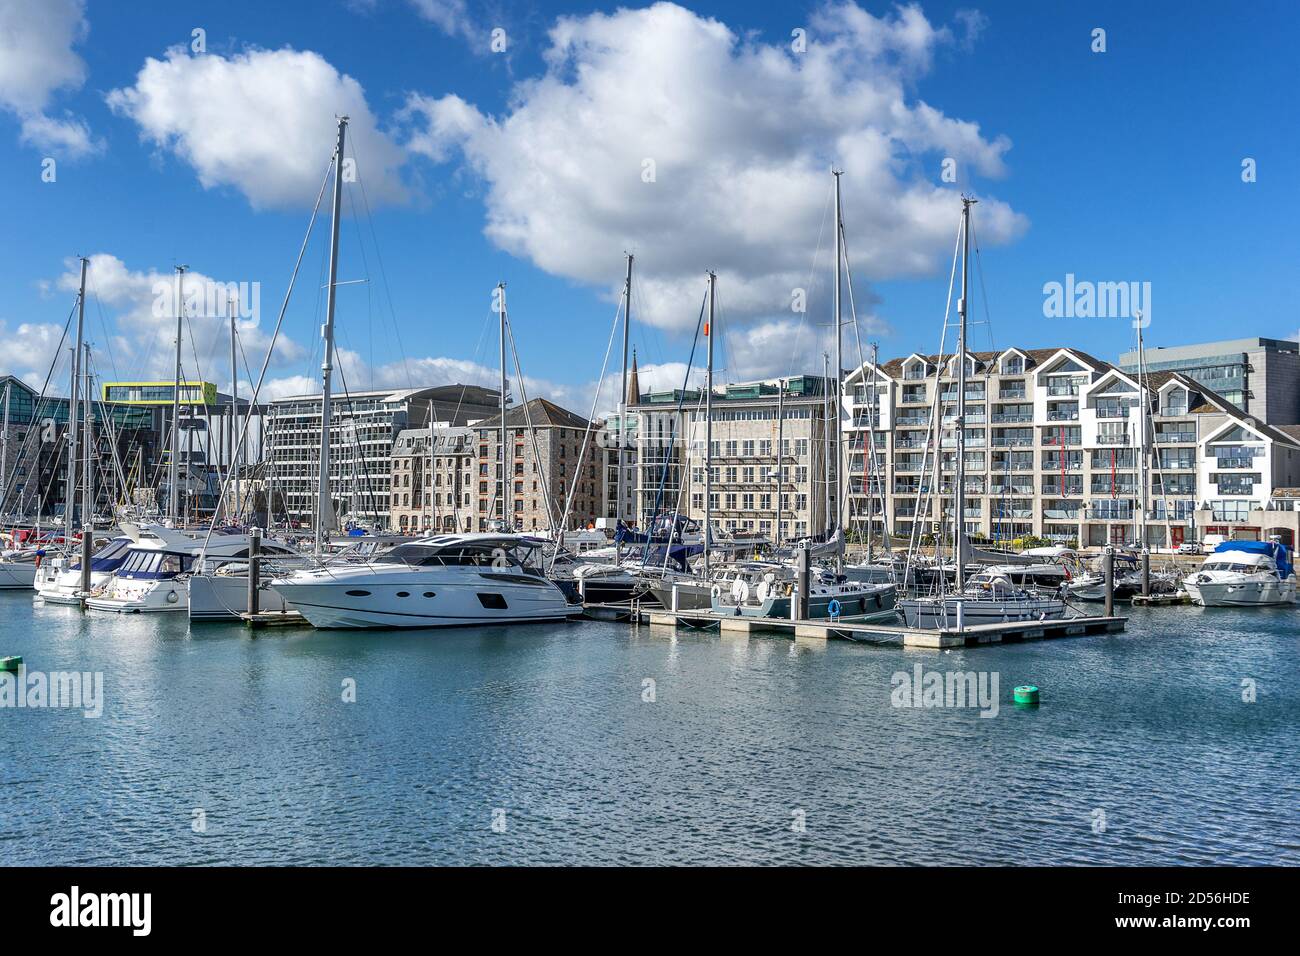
x=674, y=607
x=254, y=569
x=1146, y=573
x=87, y=539
x=803, y=576
x=1108, y=569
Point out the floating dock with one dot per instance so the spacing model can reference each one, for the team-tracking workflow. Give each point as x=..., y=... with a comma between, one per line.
x=822, y=629
x=274, y=619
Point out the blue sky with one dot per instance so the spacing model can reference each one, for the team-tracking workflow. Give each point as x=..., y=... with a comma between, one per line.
x=1115, y=166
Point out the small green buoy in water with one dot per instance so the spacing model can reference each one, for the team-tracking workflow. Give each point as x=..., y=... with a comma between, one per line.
x=1026, y=694
x=10, y=663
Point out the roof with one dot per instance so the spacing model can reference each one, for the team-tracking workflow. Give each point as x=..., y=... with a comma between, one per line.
x=894, y=367
x=447, y=440
x=462, y=394
x=542, y=413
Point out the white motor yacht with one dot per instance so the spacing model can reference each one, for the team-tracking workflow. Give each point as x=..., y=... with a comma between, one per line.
x=59, y=580
x=440, y=581
x=154, y=576
x=1243, y=574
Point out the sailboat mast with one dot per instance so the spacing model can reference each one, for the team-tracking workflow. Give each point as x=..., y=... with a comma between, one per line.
x=88, y=475
x=837, y=495
x=869, y=460
x=501, y=456
x=4, y=451
x=324, y=507
x=1143, y=409
x=959, y=485
x=780, y=451
x=173, y=466
x=622, y=410
x=70, y=494
x=708, y=427
x=235, y=435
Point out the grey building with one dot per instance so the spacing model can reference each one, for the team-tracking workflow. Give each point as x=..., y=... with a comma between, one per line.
x=1259, y=376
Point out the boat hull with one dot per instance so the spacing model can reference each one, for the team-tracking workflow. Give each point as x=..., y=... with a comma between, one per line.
x=936, y=614
x=1267, y=593
x=217, y=597
x=17, y=575
x=407, y=601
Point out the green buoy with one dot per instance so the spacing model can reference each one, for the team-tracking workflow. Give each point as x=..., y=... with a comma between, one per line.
x=10, y=663
x=1026, y=694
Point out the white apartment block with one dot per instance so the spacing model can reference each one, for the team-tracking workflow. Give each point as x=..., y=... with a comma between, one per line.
x=363, y=426
x=1052, y=439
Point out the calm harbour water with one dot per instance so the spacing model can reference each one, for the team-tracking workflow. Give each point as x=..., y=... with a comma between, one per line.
x=549, y=724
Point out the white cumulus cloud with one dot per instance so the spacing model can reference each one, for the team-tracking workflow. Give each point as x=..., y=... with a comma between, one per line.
x=261, y=121
x=740, y=136
x=37, y=60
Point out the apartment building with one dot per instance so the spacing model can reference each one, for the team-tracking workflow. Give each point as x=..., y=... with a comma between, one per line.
x=1259, y=376
x=761, y=463
x=1052, y=439
x=363, y=426
x=555, y=460
x=432, y=470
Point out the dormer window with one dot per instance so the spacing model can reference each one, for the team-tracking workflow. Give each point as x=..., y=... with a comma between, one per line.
x=1013, y=364
x=1176, y=402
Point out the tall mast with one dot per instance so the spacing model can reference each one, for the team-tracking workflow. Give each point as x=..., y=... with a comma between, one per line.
x=780, y=441
x=959, y=486
x=4, y=452
x=622, y=409
x=1143, y=409
x=837, y=494
x=88, y=474
x=869, y=461
x=173, y=468
x=70, y=492
x=827, y=398
x=708, y=426
x=324, y=506
x=235, y=436
x=501, y=455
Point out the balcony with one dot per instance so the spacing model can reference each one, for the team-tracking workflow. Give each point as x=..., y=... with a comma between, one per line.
x=1227, y=463
x=907, y=399
x=1011, y=441
x=1053, y=513
x=1118, y=440
x=1063, y=389
x=910, y=443
x=1174, y=411
x=1063, y=415
x=1175, y=438
x=1111, y=412
x=1234, y=488
x=1012, y=417
x=913, y=421
x=1011, y=395
x=1023, y=491
x=1068, y=490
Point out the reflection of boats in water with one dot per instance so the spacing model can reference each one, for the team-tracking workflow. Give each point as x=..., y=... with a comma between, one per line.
x=1244, y=574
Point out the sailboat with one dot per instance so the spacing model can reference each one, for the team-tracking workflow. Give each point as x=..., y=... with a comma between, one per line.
x=990, y=596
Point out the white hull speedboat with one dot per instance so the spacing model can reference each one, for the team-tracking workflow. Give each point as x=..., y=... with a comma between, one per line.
x=59, y=580
x=442, y=581
x=1243, y=574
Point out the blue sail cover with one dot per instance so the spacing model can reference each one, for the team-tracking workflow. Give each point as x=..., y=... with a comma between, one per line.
x=1278, y=552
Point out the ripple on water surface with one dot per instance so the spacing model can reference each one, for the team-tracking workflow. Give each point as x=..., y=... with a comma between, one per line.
x=752, y=750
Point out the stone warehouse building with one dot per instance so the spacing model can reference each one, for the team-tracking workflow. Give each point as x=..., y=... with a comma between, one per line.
x=569, y=466
x=432, y=471
x=1052, y=439
x=760, y=462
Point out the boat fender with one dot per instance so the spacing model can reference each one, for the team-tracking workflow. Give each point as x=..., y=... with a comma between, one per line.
x=172, y=597
x=764, y=590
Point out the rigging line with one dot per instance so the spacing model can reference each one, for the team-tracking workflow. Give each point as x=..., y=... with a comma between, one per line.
x=103, y=324
x=595, y=403
x=808, y=285
x=370, y=311
x=379, y=258
x=984, y=291
x=532, y=432
x=38, y=407
x=270, y=348
x=358, y=450
x=586, y=438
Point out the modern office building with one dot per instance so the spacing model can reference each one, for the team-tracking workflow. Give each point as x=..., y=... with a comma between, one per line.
x=1052, y=445
x=761, y=463
x=1259, y=376
x=363, y=427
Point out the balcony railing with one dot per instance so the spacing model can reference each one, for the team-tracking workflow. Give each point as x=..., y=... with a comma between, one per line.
x=906, y=399
x=1111, y=412
x=1011, y=395
x=913, y=421
x=1063, y=390
x=1061, y=415
x=1013, y=417
x=1121, y=440
x=1234, y=462
x=1174, y=411
x=1006, y=441
x=1175, y=438
x=1068, y=490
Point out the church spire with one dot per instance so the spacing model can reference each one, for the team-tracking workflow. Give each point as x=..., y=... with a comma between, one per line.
x=633, y=386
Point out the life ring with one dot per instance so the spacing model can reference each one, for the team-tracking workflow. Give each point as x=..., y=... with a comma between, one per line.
x=740, y=591
x=716, y=591
x=833, y=609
